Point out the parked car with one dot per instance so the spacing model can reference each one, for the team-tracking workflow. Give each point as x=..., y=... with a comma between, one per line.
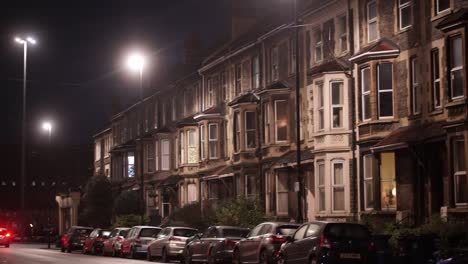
x=75, y=238
x=328, y=243
x=113, y=245
x=94, y=242
x=5, y=237
x=215, y=245
x=262, y=243
x=137, y=240
x=170, y=243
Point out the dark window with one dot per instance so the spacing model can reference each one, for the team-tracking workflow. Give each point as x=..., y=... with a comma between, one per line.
x=231, y=232
x=185, y=232
x=149, y=232
x=286, y=230
x=236, y=132
x=385, y=88
x=442, y=5
x=456, y=67
x=339, y=231
x=238, y=79
x=250, y=129
x=435, y=69
x=405, y=13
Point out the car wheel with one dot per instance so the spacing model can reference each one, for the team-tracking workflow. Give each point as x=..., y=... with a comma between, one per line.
x=7, y=245
x=312, y=261
x=131, y=253
x=211, y=258
x=164, y=257
x=113, y=253
x=149, y=257
x=69, y=250
x=187, y=256
x=93, y=250
x=236, y=257
x=263, y=257
x=62, y=249
x=281, y=260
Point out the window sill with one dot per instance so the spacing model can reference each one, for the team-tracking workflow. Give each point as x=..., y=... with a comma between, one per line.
x=441, y=15
x=404, y=30
x=414, y=116
x=436, y=111
x=456, y=102
x=378, y=121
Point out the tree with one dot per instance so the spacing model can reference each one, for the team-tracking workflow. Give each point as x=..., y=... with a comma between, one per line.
x=97, y=202
x=129, y=202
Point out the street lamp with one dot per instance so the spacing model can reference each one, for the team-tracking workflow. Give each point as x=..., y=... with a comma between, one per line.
x=136, y=62
x=47, y=126
x=24, y=42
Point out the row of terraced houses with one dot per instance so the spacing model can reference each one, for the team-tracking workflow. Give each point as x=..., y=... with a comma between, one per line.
x=383, y=117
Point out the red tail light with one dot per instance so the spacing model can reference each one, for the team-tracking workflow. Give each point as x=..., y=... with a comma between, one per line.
x=229, y=243
x=324, y=242
x=175, y=239
x=138, y=241
x=8, y=235
x=277, y=239
x=371, y=247
x=119, y=238
x=100, y=239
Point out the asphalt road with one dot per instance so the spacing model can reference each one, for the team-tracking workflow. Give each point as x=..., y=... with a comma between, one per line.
x=38, y=253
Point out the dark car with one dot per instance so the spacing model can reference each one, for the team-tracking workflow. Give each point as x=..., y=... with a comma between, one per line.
x=262, y=243
x=75, y=238
x=328, y=243
x=170, y=243
x=5, y=237
x=95, y=241
x=215, y=245
x=137, y=240
x=113, y=245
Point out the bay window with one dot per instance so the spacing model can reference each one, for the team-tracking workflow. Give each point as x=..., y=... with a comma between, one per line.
x=202, y=142
x=274, y=64
x=321, y=187
x=182, y=148
x=250, y=130
x=459, y=170
x=156, y=155
x=236, y=132
x=238, y=85
x=192, y=196
x=337, y=104
x=165, y=154
x=372, y=27
x=456, y=68
x=191, y=146
x=131, y=164
x=435, y=74
x=213, y=141
x=266, y=123
x=281, y=121
x=405, y=13
x=150, y=157
x=385, y=89
x=415, y=88
x=250, y=186
x=368, y=164
x=338, y=187
x=387, y=181
x=321, y=101
x=365, y=94
x=282, y=193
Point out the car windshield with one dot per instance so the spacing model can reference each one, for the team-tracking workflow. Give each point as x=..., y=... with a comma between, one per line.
x=149, y=232
x=232, y=232
x=183, y=232
x=123, y=233
x=286, y=230
x=82, y=231
x=335, y=231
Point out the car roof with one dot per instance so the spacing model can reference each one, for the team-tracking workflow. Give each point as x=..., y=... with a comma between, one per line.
x=82, y=227
x=231, y=227
x=180, y=227
x=147, y=227
x=121, y=228
x=281, y=223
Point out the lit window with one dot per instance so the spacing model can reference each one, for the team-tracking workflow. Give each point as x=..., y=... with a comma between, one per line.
x=343, y=33
x=150, y=157
x=274, y=64
x=459, y=169
x=368, y=175
x=131, y=165
x=321, y=187
x=165, y=154
x=337, y=104
x=372, y=26
x=321, y=114
x=97, y=151
x=456, y=68
x=282, y=193
x=202, y=142
x=442, y=5
x=255, y=72
x=365, y=92
x=405, y=13
x=192, y=196
x=250, y=130
x=387, y=181
x=435, y=69
x=213, y=140
x=338, y=186
x=318, y=45
x=281, y=121
x=192, y=147
x=236, y=132
x=415, y=88
x=385, y=87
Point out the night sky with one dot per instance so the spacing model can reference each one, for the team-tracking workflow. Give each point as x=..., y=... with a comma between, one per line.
x=76, y=73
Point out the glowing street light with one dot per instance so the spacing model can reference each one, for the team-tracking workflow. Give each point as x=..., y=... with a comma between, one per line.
x=136, y=62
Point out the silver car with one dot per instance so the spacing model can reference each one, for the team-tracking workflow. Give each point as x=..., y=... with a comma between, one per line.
x=137, y=240
x=170, y=243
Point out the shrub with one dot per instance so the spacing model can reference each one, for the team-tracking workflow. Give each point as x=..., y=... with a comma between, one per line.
x=242, y=212
x=128, y=203
x=189, y=215
x=128, y=220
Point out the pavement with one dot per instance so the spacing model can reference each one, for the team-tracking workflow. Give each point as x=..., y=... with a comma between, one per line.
x=39, y=254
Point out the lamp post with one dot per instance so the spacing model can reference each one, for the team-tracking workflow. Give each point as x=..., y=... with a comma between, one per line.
x=300, y=177
x=24, y=42
x=136, y=62
x=47, y=126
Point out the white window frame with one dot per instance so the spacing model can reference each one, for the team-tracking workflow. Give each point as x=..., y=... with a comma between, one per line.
x=320, y=107
x=457, y=174
x=333, y=106
x=238, y=79
x=278, y=212
x=157, y=155
x=255, y=72
x=213, y=140
x=401, y=7
x=237, y=131
x=246, y=142
x=385, y=91
x=318, y=45
x=192, y=189
x=202, y=142
x=191, y=145
x=365, y=93
x=457, y=68
x=338, y=186
x=182, y=147
x=415, y=105
x=209, y=88
x=368, y=176
x=435, y=79
x=441, y=11
x=343, y=36
x=165, y=157
x=321, y=186
x=266, y=123
x=372, y=21
x=276, y=121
